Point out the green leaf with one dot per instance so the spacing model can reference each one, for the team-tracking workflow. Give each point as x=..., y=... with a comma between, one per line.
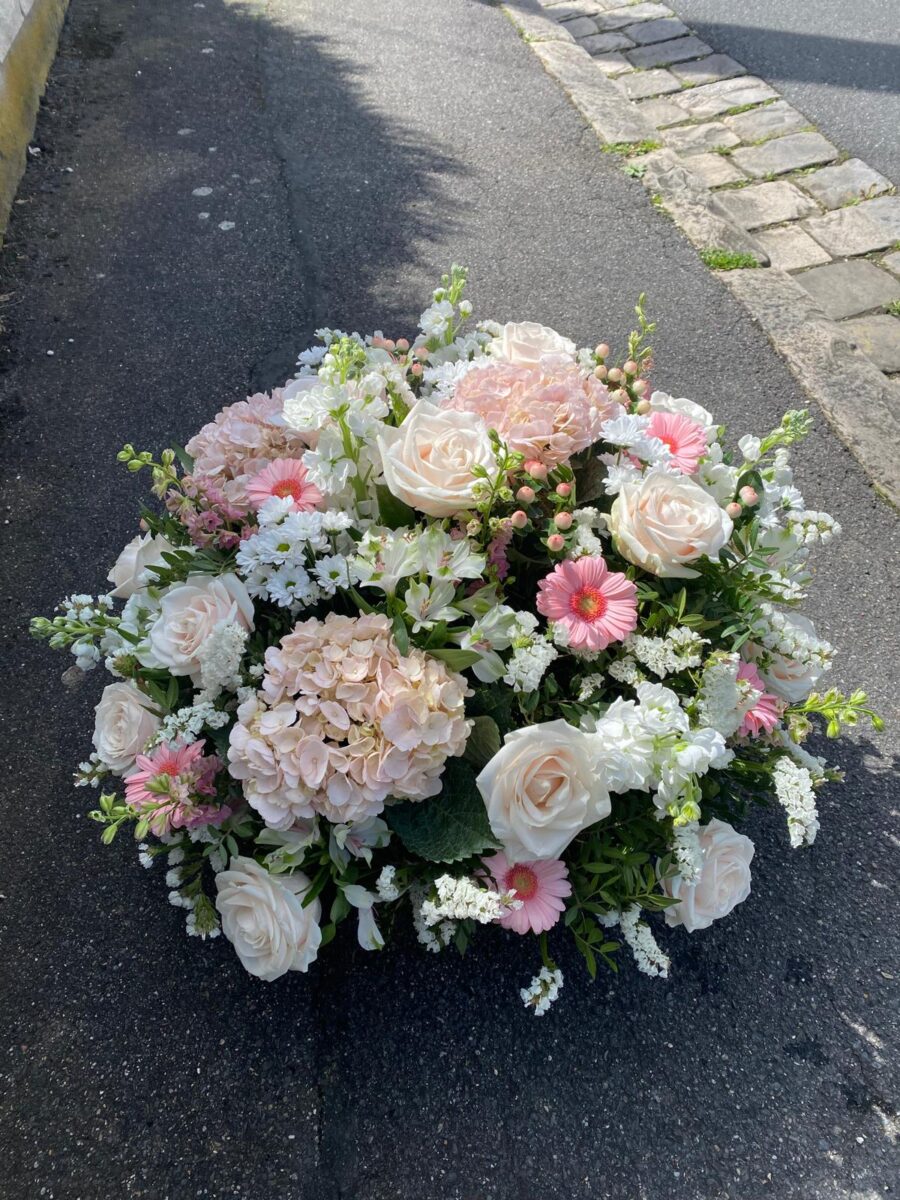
x=183, y=457
x=447, y=827
x=393, y=512
x=589, y=481
x=401, y=633
x=483, y=743
x=457, y=660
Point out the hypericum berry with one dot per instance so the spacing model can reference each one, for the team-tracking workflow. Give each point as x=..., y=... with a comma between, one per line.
x=564, y=490
x=631, y=367
x=639, y=386
x=525, y=494
x=734, y=510
x=537, y=470
x=602, y=350
x=556, y=542
x=642, y=407
x=519, y=519
x=749, y=495
x=615, y=375
x=563, y=520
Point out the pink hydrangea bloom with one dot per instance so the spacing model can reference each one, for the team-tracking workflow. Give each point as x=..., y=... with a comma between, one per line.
x=765, y=712
x=169, y=786
x=284, y=477
x=242, y=440
x=685, y=438
x=343, y=721
x=540, y=886
x=596, y=606
x=547, y=413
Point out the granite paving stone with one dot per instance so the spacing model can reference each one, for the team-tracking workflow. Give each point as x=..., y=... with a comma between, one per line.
x=790, y=249
x=619, y=18
x=892, y=262
x=602, y=43
x=580, y=27
x=712, y=99
x=612, y=64
x=661, y=30
x=709, y=70
x=872, y=225
x=784, y=154
x=771, y=120
x=835, y=186
x=847, y=289
x=662, y=54
x=696, y=138
x=648, y=83
x=879, y=338
x=766, y=204
x=715, y=169
x=662, y=113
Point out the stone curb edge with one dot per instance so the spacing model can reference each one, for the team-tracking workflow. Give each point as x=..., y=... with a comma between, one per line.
x=859, y=401
x=23, y=73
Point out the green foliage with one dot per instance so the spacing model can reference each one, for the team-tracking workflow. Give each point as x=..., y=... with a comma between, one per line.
x=483, y=743
x=728, y=260
x=178, y=564
x=632, y=148
x=838, y=710
x=393, y=512
x=448, y=827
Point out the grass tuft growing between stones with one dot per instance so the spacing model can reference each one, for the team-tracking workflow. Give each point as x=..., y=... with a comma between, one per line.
x=728, y=260
x=632, y=148
x=893, y=308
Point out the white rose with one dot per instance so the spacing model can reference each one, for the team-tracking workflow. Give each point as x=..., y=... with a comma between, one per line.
x=428, y=461
x=786, y=677
x=662, y=522
x=663, y=402
x=123, y=725
x=130, y=571
x=724, y=879
x=264, y=919
x=541, y=788
x=189, y=612
x=525, y=343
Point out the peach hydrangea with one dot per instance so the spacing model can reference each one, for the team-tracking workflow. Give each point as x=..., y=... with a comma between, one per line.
x=242, y=441
x=343, y=721
x=548, y=413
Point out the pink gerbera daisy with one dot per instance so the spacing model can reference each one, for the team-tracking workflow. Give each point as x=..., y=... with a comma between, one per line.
x=686, y=439
x=596, y=606
x=169, y=787
x=284, y=477
x=765, y=712
x=540, y=886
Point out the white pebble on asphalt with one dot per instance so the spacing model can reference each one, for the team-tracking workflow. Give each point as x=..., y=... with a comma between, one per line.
x=202, y=191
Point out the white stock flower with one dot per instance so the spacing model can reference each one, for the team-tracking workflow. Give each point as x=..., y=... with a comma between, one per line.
x=542, y=788
x=794, y=789
x=123, y=725
x=724, y=879
x=526, y=344
x=428, y=461
x=663, y=522
x=188, y=614
x=264, y=919
x=791, y=659
x=130, y=573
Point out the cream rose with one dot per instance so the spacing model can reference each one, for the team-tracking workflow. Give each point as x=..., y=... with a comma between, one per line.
x=189, y=612
x=724, y=879
x=428, y=462
x=525, y=343
x=264, y=919
x=786, y=677
x=662, y=522
x=542, y=788
x=130, y=571
x=123, y=724
x=663, y=402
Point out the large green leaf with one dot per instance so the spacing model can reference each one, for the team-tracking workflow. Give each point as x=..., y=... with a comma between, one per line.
x=483, y=743
x=393, y=512
x=447, y=827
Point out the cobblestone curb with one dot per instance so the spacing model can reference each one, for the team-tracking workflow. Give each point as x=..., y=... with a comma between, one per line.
x=751, y=184
x=29, y=30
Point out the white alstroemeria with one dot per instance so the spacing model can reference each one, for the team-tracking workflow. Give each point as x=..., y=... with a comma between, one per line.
x=493, y=629
x=444, y=557
x=716, y=476
x=436, y=319
x=289, y=845
x=368, y=934
x=429, y=604
x=688, y=758
x=385, y=556
x=357, y=840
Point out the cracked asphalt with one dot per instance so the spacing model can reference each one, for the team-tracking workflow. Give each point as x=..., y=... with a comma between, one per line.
x=350, y=153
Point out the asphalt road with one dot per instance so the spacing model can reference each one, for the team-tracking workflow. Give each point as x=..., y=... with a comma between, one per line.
x=838, y=61
x=355, y=158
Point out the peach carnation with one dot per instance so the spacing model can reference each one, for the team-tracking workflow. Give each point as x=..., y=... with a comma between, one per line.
x=242, y=441
x=343, y=721
x=546, y=413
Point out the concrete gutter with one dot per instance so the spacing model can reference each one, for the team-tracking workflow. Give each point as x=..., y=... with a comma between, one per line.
x=29, y=30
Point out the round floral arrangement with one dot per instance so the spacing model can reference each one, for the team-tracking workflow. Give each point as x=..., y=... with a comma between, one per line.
x=478, y=627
